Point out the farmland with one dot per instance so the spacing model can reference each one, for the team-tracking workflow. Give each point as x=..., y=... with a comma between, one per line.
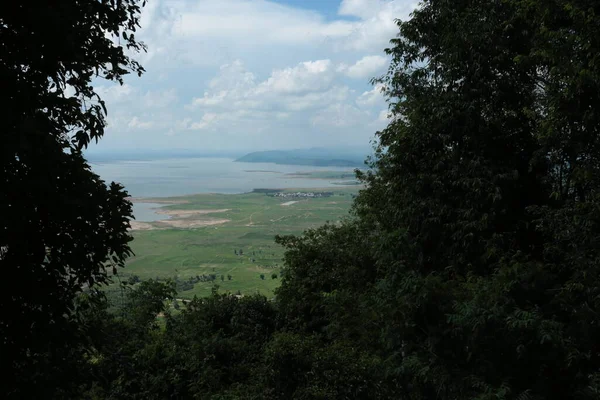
x=227, y=239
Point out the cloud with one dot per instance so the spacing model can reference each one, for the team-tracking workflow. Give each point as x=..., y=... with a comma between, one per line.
x=305, y=77
x=114, y=94
x=371, y=98
x=305, y=86
x=213, y=32
x=384, y=115
x=241, y=20
x=136, y=123
x=255, y=74
x=366, y=67
x=377, y=21
x=358, y=8
x=207, y=119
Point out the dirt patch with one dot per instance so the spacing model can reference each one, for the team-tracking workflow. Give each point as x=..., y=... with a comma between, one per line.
x=331, y=202
x=288, y=203
x=182, y=222
x=141, y=226
x=190, y=223
x=157, y=201
x=188, y=213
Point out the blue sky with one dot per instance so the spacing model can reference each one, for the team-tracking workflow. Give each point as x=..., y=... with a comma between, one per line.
x=244, y=75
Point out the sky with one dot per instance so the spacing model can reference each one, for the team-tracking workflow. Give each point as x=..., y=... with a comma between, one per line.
x=247, y=75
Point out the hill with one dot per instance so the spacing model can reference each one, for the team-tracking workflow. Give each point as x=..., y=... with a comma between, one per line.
x=316, y=156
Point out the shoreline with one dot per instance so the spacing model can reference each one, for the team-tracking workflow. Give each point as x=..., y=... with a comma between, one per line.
x=190, y=217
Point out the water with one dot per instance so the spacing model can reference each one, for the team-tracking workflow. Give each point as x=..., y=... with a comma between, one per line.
x=146, y=212
x=183, y=176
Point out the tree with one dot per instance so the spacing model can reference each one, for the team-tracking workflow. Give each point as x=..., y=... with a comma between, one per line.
x=273, y=276
x=480, y=216
x=229, y=277
x=222, y=277
x=485, y=200
x=262, y=276
x=61, y=226
x=132, y=280
x=127, y=344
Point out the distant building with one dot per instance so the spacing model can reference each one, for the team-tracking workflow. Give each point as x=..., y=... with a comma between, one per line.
x=288, y=195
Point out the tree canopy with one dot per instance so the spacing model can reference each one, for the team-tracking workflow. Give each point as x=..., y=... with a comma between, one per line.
x=61, y=227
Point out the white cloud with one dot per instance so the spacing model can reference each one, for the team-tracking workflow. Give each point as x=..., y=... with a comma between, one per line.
x=371, y=97
x=115, y=93
x=366, y=67
x=232, y=83
x=255, y=74
x=377, y=21
x=217, y=31
x=243, y=20
x=210, y=99
x=358, y=8
x=384, y=115
x=136, y=123
x=207, y=120
x=305, y=86
x=305, y=77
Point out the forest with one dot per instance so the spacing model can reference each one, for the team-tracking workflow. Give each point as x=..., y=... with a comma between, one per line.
x=468, y=267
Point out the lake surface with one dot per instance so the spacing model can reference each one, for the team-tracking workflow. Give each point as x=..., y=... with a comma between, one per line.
x=182, y=176
x=146, y=212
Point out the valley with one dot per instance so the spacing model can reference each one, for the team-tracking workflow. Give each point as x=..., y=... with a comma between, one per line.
x=227, y=239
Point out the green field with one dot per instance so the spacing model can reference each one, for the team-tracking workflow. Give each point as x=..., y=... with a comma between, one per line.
x=253, y=221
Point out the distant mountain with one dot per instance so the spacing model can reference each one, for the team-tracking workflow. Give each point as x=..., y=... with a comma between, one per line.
x=318, y=157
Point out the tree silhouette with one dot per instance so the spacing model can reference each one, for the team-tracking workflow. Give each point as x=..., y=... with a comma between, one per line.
x=61, y=226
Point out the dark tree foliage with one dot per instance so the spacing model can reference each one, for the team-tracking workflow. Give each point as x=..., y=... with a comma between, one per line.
x=480, y=221
x=485, y=201
x=125, y=354
x=60, y=225
x=212, y=349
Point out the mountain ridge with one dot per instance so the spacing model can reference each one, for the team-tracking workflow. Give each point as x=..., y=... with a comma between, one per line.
x=319, y=157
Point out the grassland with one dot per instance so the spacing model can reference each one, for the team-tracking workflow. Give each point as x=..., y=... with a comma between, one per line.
x=246, y=222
